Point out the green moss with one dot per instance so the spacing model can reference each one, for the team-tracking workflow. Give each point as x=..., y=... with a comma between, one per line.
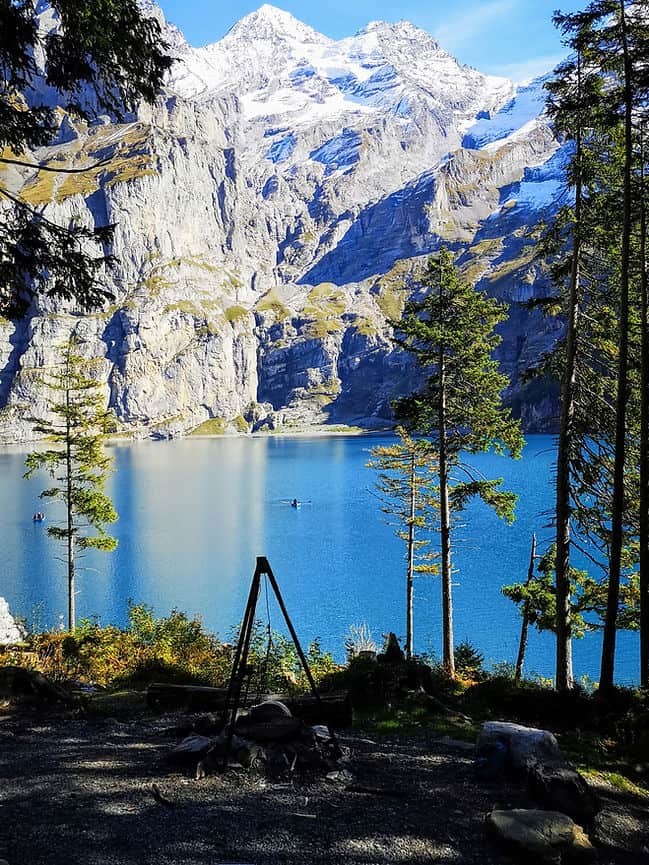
x=235, y=313
x=215, y=426
x=240, y=424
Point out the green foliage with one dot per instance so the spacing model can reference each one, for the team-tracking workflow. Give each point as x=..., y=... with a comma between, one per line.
x=450, y=330
x=588, y=598
x=469, y=662
x=406, y=486
x=173, y=648
x=451, y=333
x=275, y=663
x=105, y=57
x=77, y=462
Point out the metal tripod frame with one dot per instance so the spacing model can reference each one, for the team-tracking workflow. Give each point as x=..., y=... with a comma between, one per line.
x=240, y=662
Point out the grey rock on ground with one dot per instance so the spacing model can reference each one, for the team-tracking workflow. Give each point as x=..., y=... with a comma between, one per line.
x=549, y=836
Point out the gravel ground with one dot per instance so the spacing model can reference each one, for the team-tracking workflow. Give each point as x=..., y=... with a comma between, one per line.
x=81, y=790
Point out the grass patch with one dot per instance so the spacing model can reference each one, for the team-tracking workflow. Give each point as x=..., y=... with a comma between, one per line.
x=215, y=426
x=411, y=720
x=321, y=328
x=270, y=302
x=186, y=306
x=364, y=326
x=390, y=301
x=615, y=780
x=240, y=424
x=507, y=268
x=235, y=313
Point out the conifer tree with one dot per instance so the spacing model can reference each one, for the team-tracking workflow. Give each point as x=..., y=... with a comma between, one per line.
x=406, y=486
x=643, y=495
x=599, y=439
x=76, y=462
x=450, y=331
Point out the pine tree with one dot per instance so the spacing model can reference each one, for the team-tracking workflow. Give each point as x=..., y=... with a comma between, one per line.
x=76, y=462
x=643, y=495
x=450, y=331
x=406, y=484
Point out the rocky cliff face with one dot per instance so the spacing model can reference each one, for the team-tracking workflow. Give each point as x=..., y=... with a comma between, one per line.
x=272, y=212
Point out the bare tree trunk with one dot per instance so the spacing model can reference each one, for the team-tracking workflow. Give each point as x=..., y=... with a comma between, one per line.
x=644, y=433
x=70, y=516
x=607, y=673
x=522, y=645
x=447, y=596
x=411, y=559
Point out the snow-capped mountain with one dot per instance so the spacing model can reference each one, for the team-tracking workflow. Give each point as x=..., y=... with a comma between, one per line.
x=272, y=212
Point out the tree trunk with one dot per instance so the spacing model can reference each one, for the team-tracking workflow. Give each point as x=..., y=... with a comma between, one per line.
x=526, y=617
x=411, y=560
x=607, y=673
x=644, y=435
x=564, y=676
x=447, y=597
x=70, y=516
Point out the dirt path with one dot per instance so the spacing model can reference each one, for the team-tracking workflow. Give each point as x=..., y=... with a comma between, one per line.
x=75, y=790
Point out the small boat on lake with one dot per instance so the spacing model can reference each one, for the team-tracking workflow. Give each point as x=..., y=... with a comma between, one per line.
x=38, y=517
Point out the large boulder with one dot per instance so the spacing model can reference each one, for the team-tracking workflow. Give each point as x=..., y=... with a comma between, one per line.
x=544, y=836
x=559, y=786
x=525, y=746
x=21, y=683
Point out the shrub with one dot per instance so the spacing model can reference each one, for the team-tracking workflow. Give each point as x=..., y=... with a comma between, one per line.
x=469, y=661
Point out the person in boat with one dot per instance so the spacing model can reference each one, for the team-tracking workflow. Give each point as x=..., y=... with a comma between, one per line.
x=295, y=503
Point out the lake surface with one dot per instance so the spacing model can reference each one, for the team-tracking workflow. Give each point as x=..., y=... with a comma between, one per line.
x=195, y=514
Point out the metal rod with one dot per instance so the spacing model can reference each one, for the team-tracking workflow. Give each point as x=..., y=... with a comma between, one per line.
x=263, y=565
x=233, y=698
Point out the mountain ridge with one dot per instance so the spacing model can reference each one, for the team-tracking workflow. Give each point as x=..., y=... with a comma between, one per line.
x=272, y=214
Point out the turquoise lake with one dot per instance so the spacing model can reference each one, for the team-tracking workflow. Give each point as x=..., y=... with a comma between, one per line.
x=195, y=514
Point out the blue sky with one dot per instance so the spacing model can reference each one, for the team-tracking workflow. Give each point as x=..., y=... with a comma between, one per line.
x=502, y=37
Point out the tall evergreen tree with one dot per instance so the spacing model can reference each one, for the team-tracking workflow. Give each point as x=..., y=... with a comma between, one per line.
x=450, y=331
x=406, y=484
x=598, y=448
x=76, y=462
x=643, y=527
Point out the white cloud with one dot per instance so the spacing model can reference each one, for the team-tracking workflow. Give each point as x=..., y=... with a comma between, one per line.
x=525, y=70
x=464, y=27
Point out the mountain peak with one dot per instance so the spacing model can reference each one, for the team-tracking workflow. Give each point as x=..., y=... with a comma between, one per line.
x=399, y=28
x=270, y=22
